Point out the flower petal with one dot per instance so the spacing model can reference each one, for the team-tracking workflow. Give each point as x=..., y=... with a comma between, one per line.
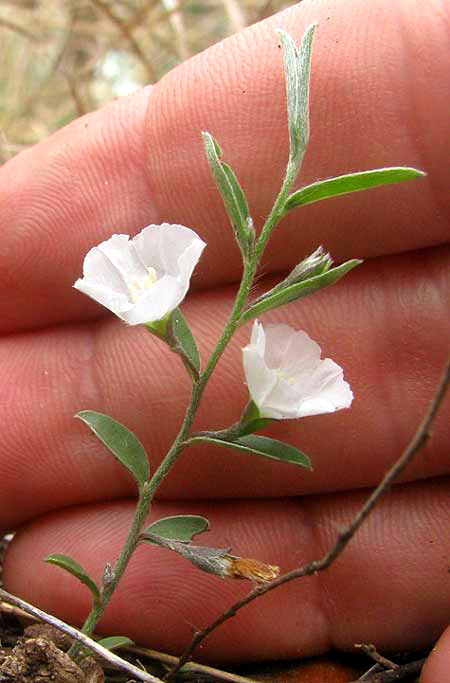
x=144, y=279
x=286, y=377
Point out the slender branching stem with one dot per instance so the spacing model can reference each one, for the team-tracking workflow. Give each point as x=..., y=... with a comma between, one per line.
x=417, y=442
x=148, y=491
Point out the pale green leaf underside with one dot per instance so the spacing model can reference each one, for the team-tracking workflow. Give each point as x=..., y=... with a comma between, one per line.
x=350, y=182
x=185, y=338
x=238, y=193
x=122, y=443
x=67, y=563
x=230, y=190
x=298, y=290
x=114, y=642
x=262, y=445
x=179, y=527
x=297, y=67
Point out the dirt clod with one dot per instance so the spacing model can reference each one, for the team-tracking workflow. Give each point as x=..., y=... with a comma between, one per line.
x=38, y=660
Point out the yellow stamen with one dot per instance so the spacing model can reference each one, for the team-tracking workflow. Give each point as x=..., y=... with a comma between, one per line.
x=140, y=284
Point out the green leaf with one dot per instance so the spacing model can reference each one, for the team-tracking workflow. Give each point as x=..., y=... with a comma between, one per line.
x=238, y=192
x=178, y=527
x=231, y=192
x=297, y=67
x=261, y=445
x=67, y=563
x=122, y=443
x=114, y=642
x=350, y=182
x=297, y=291
x=184, y=342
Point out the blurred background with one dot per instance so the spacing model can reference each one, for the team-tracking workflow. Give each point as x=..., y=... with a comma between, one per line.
x=62, y=58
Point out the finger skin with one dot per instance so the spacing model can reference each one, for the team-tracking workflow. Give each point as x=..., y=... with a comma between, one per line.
x=386, y=325
x=437, y=666
x=126, y=166
x=390, y=586
x=374, y=103
x=369, y=108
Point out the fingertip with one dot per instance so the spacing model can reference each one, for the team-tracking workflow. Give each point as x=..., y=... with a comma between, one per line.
x=369, y=108
x=61, y=197
x=437, y=666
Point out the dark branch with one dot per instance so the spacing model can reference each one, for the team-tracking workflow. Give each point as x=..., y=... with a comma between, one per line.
x=417, y=442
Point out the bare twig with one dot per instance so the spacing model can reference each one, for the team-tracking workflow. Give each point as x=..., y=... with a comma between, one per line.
x=372, y=652
x=235, y=15
x=126, y=31
x=191, y=667
x=400, y=673
x=366, y=676
x=109, y=656
x=175, y=18
x=417, y=442
x=75, y=93
x=5, y=23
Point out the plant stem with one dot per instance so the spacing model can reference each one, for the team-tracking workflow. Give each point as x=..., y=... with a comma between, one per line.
x=148, y=491
x=276, y=213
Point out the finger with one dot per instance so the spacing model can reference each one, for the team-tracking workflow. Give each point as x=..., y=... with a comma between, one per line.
x=387, y=325
x=383, y=589
x=437, y=666
x=62, y=195
x=114, y=172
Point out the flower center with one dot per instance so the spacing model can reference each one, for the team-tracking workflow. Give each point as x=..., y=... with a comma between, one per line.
x=139, y=286
x=283, y=375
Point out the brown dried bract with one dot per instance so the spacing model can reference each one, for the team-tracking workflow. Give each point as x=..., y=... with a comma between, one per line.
x=254, y=570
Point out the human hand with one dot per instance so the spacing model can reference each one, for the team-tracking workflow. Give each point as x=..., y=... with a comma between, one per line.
x=140, y=161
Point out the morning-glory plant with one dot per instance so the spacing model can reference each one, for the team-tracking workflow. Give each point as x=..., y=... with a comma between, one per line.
x=144, y=280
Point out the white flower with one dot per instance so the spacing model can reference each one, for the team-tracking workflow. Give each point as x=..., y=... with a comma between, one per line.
x=143, y=279
x=286, y=377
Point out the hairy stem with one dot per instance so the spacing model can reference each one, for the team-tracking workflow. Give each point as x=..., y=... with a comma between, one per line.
x=148, y=491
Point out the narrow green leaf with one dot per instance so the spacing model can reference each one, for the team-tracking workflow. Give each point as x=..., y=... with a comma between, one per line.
x=261, y=445
x=297, y=291
x=230, y=190
x=290, y=55
x=304, y=67
x=122, y=443
x=67, y=563
x=350, y=182
x=297, y=67
x=238, y=192
x=114, y=642
x=217, y=148
x=185, y=341
x=178, y=527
